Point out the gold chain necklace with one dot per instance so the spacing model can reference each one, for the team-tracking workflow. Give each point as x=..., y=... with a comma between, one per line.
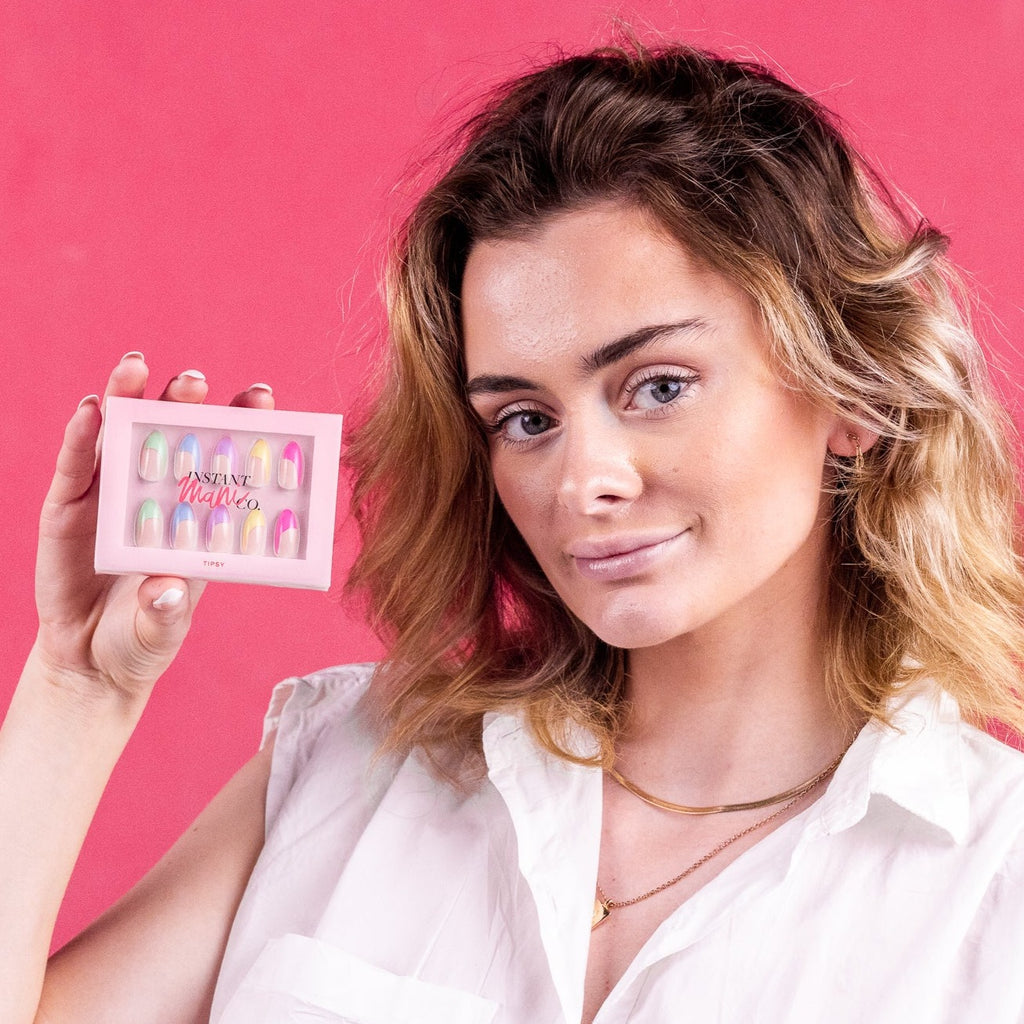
x=604, y=905
x=665, y=805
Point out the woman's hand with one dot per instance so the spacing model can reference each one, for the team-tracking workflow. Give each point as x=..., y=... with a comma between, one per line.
x=107, y=634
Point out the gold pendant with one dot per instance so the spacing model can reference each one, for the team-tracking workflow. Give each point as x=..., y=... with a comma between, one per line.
x=601, y=911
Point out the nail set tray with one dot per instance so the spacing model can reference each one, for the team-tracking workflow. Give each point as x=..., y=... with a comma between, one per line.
x=218, y=492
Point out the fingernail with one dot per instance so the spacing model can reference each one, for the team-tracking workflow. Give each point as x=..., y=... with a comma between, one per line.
x=193, y=374
x=219, y=531
x=254, y=533
x=149, y=525
x=224, y=459
x=169, y=598
x=184, y=528
x=289, y=469
x=257, y=465
x=186, y=457
x=133, y=355
x=89, y=400
x=286, y=534
x=153, y=457
x=259, y=386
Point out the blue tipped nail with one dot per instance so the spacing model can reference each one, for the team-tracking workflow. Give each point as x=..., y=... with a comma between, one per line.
x=184, y=528
x=187, y=457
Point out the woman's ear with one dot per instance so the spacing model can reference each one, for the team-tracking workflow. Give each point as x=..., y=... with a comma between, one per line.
x=850, y=439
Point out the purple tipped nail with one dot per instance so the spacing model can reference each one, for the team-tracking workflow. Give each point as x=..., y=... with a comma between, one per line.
x=220, y=533
x=289, y=469
x=224, y=460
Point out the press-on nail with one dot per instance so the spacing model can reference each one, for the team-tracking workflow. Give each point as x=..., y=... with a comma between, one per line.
x=149, y=525
x=219, y=531
x=254, y=533
x=169, y=598
x=153, y=457
x=289, y=469
x=187, y=457
x=257, y=465
x=224, y=459
x=286, y=534
x=184, y=528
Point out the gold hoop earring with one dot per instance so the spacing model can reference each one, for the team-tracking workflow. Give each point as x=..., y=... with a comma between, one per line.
x=858, y=458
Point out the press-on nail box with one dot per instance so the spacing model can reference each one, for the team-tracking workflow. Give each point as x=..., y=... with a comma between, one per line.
x=218, y=492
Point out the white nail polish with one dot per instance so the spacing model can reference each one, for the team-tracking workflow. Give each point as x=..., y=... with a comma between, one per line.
x=259, y=386
x=194, y=374
x=89, y=400
x=133, y=355
x=170, y=598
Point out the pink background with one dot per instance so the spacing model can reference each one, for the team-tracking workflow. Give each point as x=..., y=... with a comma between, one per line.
x=210, y=183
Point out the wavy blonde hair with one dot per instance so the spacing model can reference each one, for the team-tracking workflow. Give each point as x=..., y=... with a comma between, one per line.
x=754, y=178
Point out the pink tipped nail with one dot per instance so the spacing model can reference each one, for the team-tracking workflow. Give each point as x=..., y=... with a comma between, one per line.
x=289, y=469
x=286, y=534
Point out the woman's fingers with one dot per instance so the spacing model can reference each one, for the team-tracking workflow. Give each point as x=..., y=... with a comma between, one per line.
x=128, y=378
x=76, y=460
x=255, y=396
x=188, y=386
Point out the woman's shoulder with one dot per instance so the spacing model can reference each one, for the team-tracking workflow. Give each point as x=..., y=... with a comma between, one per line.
x=320, y=696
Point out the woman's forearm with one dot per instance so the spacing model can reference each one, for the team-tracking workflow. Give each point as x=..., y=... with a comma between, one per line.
x=58, y=746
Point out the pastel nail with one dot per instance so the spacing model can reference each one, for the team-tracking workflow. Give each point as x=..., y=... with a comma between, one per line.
x=193, y=374
x=220, y=534
x=254, y=533
x=149, y=525
x=184, y=528
x=286, y=534
x=224, y=459
x=257, y=465
x=187, y=457
x=134, y=354
x=153, y=457
x=289, y=469
x=89, y=400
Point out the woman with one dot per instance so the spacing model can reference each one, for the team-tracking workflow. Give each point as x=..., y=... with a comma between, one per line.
x=714, y=567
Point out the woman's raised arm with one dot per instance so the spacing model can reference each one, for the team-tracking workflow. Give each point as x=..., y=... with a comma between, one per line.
x=103, y=641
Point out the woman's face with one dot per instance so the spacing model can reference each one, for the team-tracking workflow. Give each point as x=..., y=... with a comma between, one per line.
x=660, y=471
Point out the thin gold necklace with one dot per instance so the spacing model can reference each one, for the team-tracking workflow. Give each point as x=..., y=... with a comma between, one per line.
x=604, y=905
x=666, y=805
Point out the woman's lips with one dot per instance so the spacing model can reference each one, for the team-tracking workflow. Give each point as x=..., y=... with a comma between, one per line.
x=620, y=558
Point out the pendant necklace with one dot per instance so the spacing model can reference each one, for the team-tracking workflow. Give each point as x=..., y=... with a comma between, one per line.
x=604, y=905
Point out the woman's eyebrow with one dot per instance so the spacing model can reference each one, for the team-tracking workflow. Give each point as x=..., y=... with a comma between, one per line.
x=611, y=352
x=618, y=349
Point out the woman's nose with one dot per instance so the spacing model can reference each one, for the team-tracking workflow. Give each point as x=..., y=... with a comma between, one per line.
x=599, y=469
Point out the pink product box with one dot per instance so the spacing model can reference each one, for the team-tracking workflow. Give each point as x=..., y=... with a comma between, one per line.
x=217, y=492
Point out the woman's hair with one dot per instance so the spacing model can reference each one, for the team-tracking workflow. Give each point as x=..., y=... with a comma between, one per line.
x=755, y=180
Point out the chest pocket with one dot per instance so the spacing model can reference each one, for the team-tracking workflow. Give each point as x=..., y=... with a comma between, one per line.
x=299, y=980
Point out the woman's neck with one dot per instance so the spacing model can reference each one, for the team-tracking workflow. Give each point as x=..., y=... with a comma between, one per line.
x=732, y=712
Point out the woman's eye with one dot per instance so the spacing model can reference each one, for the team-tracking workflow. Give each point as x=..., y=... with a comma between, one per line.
x=657, y=391
x=522, y=425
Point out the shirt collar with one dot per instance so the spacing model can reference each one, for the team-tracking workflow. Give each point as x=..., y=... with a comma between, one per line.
x=914, y=762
